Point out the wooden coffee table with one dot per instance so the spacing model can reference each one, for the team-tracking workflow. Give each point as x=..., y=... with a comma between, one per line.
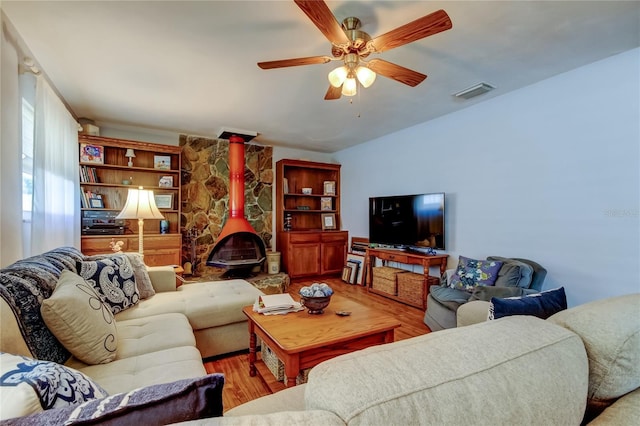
x=301, y=340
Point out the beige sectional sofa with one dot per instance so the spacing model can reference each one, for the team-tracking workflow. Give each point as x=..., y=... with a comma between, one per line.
x=161, y=339
x=518, y=370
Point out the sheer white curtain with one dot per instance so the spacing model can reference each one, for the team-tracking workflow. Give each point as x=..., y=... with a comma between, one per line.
x=56, y=191
x=10, y=155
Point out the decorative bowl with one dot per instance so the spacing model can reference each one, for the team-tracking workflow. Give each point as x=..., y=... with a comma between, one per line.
x=307, y=191
x=315, y=305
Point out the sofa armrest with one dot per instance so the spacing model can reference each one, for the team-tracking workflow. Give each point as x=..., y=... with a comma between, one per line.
x=163, y=278
x=472, y=312
x=310, y=418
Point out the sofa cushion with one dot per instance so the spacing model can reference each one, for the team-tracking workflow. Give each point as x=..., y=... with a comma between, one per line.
x=80, y=320
x=162, y=404
x=541, y=305
x=624, y=412
x=450, y=297
x=610, y=330
x=513, y=273
x=30, y=386
x=206, y=304
x=471, y=273
x=140, y=336
x=421, y=377
x=114, y=279
x=152, y=368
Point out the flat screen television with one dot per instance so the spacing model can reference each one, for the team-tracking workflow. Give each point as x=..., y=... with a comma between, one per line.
x=408, y=221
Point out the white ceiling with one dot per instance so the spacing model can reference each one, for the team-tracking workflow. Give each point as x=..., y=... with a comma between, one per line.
x=190, y=67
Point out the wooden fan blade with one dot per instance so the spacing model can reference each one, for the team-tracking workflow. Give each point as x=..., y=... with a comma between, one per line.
x=333, y=93
x=311, y=60
x=321, y=16
x=396, y=72
x=420, y=28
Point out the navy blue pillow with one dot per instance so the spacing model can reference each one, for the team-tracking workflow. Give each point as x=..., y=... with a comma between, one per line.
x=541, y=305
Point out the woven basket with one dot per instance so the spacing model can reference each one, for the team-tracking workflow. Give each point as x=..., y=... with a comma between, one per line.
x=386, y=272
x=384, y=279
x=411, y=287
x=272, y=362
x=302, y=376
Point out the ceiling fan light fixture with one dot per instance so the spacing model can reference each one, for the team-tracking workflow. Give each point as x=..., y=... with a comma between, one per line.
x=366, y=77
x=350, y=86
x=338, y=76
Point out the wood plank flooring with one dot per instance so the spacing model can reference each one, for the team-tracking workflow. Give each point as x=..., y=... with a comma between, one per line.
x=240, y=388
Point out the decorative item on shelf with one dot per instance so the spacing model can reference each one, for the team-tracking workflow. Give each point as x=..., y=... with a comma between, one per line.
x=126, y=181
x=116, y=246
x=303, y=207
x=166, y=182
x=307, y=191
x=130, y=154
x=96, y=203
x=315, y=297
x=287, y=222
x=140, y=205
x=162, y=162
x=164, y=226
x=285, y=183
x=164, y=201
x=326, y=203
x=329, y=187
x=328, y=221
x=93, y=154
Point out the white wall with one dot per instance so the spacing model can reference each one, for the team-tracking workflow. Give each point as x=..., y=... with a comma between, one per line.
x=549, y=172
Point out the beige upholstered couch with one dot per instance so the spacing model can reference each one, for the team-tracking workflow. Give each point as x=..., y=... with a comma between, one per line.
x=161, y=339
x=517, y=370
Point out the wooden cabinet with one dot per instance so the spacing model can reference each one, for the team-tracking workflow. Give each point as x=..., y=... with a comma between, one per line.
x=106, y=177
x=308, y=223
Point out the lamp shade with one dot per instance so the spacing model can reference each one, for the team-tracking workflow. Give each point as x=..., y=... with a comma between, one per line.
x=140, y=204
x=350, y=86
x=337, y=76
x=130, y=153
x=366, y=77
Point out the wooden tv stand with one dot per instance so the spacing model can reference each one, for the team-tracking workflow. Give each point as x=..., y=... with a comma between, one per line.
x=408, y=258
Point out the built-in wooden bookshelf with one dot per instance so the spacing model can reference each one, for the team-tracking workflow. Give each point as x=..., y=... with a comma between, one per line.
x=106, y=177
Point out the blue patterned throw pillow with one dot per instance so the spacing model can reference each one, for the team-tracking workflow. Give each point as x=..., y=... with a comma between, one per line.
x=114, y=280
x=30, y=386
x=472, y=273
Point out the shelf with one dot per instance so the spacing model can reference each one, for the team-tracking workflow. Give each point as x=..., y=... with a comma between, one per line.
x=133, y=169
x=310, y=195
x=308, y=211
x=119, y=185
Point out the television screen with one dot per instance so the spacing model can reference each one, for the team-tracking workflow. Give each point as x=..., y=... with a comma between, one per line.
x=413, y=221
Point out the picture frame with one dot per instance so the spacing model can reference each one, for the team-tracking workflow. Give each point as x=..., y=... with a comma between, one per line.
x=96, y=203
x=329, y=187
x=166, y=182
x=328, y=221
x=91, y=154
x=346, y=274
x=358, y=260
x=326, y=203
x=164, y=201
x=354, y=272
x=162, y=162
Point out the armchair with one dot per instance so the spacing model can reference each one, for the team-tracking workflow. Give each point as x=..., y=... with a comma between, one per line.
x=516, y=277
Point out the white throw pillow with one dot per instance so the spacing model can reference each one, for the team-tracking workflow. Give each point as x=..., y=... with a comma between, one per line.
x=79, y=319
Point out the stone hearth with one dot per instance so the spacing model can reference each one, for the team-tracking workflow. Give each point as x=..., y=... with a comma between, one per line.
x=205, y=195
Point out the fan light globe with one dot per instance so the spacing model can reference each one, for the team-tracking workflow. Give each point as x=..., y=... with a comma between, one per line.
x=337, y=76
x=366, y=77
x=350, y=87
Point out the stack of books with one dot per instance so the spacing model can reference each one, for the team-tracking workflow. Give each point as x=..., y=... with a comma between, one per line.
x=273, y=304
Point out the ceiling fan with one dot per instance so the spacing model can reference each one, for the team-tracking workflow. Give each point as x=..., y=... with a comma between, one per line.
x=352, y=46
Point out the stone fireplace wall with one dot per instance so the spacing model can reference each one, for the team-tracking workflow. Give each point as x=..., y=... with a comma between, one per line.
x=205, y=195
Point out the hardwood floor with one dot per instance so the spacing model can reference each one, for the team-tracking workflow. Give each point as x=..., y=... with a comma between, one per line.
x=240, y=388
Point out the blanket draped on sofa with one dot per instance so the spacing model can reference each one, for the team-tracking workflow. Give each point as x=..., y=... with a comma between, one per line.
x=24, y=285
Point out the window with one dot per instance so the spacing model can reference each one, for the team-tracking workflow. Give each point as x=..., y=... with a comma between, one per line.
x=27, y=159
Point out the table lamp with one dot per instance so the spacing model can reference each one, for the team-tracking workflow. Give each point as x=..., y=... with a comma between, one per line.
x=130, y=154
x=140, y=205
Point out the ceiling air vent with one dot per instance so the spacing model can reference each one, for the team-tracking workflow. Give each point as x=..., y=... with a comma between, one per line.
x=473, y=91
